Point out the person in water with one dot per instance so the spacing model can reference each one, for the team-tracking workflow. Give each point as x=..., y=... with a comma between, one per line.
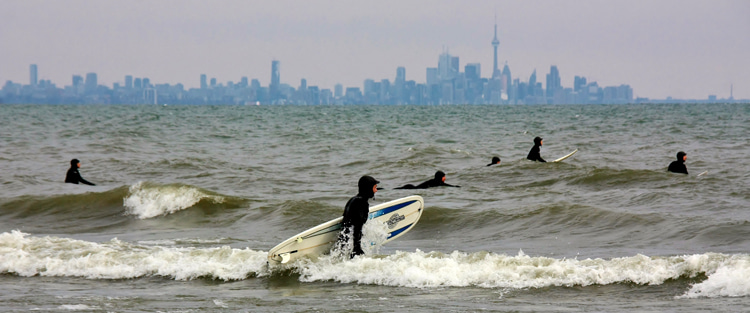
x=534, y=153
x=438, y=181
x=355, y=215
x=495, y=160
x=678, y=166
x=73, y=176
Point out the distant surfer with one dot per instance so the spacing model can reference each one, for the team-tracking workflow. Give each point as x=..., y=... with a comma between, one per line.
x=73, y=176
x=495, y=160
x=438, y=181
x=355, y=215
x=678, y=166
x=534, y=153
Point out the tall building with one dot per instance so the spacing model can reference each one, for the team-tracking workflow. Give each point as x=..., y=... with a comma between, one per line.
x=77, y=80
x=473, y=71
x=204, y=81
x=553, y=82
x=338, y=91
x=275, y=80
x=447, y=66
x=400, y=85
x=129, y=81
x=33, y=78
x=432, y=76
x=495, y=42
x=91, y=82
x=579, y=83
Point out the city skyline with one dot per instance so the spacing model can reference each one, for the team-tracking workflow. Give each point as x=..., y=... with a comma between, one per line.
x=349, y=43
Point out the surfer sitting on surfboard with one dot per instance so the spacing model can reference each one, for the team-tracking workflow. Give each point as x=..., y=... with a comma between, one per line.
x=438, y=181
x=678, y=166
x=355, y=215
x=534, y=153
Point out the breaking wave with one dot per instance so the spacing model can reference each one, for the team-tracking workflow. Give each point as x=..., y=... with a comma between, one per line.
x=21, y=254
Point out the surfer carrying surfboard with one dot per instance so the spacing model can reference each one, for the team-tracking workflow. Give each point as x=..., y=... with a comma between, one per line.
x=534, y=154
x=355, y=216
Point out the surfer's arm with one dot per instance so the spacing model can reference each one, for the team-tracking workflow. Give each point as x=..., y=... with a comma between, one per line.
x=85, y=181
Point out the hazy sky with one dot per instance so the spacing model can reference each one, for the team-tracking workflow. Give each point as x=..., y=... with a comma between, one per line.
x=661, y=48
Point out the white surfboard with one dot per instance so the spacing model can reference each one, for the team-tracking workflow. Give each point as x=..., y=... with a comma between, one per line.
x=566, y=156
x=400, y=215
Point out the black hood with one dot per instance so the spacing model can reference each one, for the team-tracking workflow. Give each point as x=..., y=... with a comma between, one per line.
x=439, y=175
x=538, y=141
x=680, y=155
x=74, y=163
x=365, y=186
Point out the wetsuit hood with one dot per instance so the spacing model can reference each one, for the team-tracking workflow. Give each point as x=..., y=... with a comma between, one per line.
x=538, y=141
x=74, y=163
x=439, y=175
x=365, y=186
x=680, y=155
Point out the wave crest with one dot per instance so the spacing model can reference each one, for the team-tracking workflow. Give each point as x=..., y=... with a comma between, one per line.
x=147, y=200
x=26, y=255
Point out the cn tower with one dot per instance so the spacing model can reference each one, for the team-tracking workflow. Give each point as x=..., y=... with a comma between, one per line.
x=495, y=71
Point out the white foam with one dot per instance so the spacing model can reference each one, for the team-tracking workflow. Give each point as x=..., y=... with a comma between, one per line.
x=420, y=269
x=731, y=279
x=25, y=255
x=78, y=307
x=147, y=201
x=374, y=233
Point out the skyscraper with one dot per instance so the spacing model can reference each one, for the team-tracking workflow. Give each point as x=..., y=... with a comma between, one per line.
x=495, y=42
x=129, y=81
x=204, y=82
x=553, y=82
x=33, y=78
x=91, y=82
x=399, y=85
x=275, y=80
x=447, y=66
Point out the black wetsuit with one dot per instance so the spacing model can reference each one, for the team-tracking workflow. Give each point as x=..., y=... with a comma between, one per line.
x=435, y=182
x=678, y=166
x=355, y=215
x=73, y=176
x=534, y=153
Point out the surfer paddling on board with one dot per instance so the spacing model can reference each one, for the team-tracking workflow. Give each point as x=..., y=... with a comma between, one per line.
x=73, y=176
x=534, y=153
x=355, y=215
x=438, y=181
x=495, y=160
x=678, y=166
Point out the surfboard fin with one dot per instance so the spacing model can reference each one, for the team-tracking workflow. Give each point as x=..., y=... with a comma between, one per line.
x=285, y=257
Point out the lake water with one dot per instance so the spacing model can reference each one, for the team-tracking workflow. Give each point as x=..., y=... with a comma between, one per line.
x=189, y=199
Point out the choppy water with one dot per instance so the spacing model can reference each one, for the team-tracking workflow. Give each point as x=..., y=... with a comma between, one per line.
x=189, y=199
